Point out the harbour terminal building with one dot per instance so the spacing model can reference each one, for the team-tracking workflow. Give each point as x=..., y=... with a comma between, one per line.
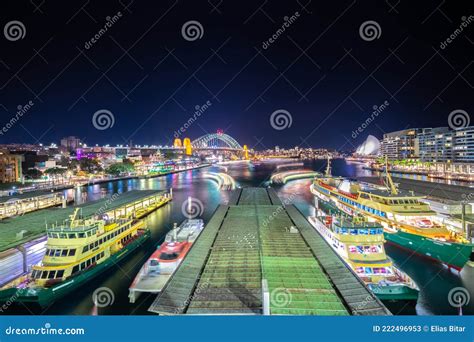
x=439, y=144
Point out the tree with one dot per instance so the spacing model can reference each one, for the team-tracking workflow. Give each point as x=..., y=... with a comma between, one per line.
x=118, y=169
x=55, y=173
x=90, y=165
x=33, y=174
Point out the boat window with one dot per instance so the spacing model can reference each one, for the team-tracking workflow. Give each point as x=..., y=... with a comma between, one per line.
x=64, y=252
x=51, y=274
x=363, y=231
x=72, y=252
x=72, y=236
x=75, y=269
x=62, y=236
x=353, y=231
x=81, y=235
x=154, y=262
x=57, y=252
x=35, y=272
x=60, y=274
x=86, y=248
x=168, y=256
x=372, y=231
x=44, y=275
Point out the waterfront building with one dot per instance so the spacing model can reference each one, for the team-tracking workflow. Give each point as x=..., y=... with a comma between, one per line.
x=400, y=144
x=435, y=144
x=71, y=143
x=464, y=144
x=10, y=167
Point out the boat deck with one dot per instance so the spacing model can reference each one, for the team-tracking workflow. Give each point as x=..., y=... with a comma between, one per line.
x=33, y=224
x=258, y=241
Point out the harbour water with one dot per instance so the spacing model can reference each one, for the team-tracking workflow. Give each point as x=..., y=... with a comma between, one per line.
x=435, y=281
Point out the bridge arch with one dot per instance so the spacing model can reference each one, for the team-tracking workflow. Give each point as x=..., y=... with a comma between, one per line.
x=216, y=140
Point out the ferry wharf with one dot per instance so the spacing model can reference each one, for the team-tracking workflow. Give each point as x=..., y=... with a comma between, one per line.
x=259, y=256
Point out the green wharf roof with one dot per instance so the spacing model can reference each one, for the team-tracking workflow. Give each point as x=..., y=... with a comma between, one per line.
x=256, y=238
x=34, y=223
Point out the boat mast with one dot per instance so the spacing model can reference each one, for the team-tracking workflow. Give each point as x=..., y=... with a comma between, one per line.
x=389, y=181
x=328, y=167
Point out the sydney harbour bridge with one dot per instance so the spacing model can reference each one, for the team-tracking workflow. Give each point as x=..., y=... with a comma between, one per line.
x=212, y=142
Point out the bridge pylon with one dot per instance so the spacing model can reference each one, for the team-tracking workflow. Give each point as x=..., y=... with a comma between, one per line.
x=246, y=152
x=177, y=143
x=187, y=146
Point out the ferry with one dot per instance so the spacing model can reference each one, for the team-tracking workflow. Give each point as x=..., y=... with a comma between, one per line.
x=76, y=251
x=407, y=221
x=161, y=265
x=361, y=245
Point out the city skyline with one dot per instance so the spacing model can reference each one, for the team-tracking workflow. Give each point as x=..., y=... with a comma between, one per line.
x=246, y=63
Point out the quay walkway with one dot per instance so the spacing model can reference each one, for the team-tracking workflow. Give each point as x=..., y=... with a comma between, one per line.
x=20, y=204
x=258, y=256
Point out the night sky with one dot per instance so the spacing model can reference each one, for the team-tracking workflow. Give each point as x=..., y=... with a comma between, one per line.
x=320, y=69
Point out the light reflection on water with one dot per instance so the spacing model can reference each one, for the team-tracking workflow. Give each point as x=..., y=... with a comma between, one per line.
x=434, y=281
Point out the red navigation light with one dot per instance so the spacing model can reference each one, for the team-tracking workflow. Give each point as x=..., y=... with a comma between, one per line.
x=220, y=131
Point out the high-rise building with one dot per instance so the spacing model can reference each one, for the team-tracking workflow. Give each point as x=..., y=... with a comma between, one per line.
x=400, y=144
x=439, y=144
x=464, y=144
x=435, y=144
x=10, y=167
x=71, y=143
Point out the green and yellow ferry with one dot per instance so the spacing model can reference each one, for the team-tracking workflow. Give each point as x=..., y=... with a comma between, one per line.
x=361, y=245
x=76, y=251
x=407, y=221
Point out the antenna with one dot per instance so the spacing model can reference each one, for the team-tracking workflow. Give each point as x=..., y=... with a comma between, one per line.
x=389, y=182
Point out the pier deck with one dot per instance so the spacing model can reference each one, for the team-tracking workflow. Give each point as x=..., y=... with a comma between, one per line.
x=257, y=240
x=34, y=223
